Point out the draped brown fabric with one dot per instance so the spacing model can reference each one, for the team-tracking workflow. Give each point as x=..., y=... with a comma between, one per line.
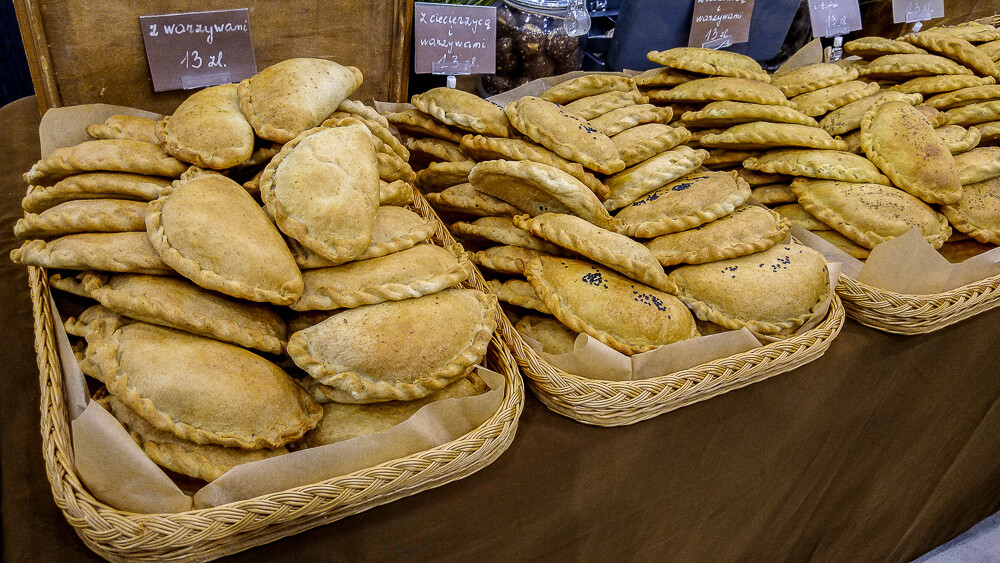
x=880, y=450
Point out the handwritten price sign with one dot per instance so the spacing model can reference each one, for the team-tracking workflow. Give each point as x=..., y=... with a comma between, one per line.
x=198, y=49
x=834, y=17
x=908, y=11
x=454, y=39
x=716, y=24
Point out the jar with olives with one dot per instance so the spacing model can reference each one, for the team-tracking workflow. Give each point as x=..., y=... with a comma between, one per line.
x=537, y=38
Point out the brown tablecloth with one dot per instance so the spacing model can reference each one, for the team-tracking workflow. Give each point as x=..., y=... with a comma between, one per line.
x=880, y=450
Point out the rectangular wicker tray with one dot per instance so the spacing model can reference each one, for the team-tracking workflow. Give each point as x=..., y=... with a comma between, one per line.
x=206, y=534
x=900, y=313
x=619, y=403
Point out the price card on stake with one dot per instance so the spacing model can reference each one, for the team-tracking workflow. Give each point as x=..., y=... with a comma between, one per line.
x=716, y=24
x=909, y=11
x=834, y=17
x=198, y=49
x=454, y=39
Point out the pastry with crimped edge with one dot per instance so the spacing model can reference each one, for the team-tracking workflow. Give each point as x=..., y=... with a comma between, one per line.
x=874, y=47
x=592, y=107
x=661, y=77
x=956, y=49
x=797, y=215
x=520, y=293
x=727, y=114
x=929, y=85
x=577, y=293
x=811, y=77
x=464, y=199
x=819, y=102
x=108, y=155
x=398, y=193
x=538, y=188
x=824, y=164
x=109, y=252
x=905, y=67
x=83, y=216
x=94, y=185
x=974, y=114
x=969, y=31
x=753, y=178
x=503, y=231
x=958, y=139
x=978, y=165
x=898, y=139
x=587, y=85
x=964, y=97
x=431, y=149
x=740, y=292
x=506, y=259
x=618, y=252
x=847, y=117
x=419, y=124
x=295, y=95
x=773, y=194
x=177, y=303
x=209, y=229
x=373, y=353
x=645, y=141
x=618, y=120
x=870, y=213
x=463, y=110
x=977, y=214
x=555, y=337
x=712, y=89
x=384, y=140
x=441, y=175
x=122, y=126
x=747, y=230
x=843, y=243
x=764, y=135
x=710, y=61
x=683, y=204
x=208, y=129
x=419, y=270
x=636, y=181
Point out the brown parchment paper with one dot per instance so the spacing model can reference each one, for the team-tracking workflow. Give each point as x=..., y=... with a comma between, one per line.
x=907, y=264
x=118, y=473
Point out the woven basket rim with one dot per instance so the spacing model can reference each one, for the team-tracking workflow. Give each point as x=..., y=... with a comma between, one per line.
x=495, y=433
x=978, y=286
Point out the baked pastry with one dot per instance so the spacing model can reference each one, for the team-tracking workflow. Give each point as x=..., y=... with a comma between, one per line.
x=384, y=140
x=795, y=213
x=94, y=185
x=463, y=110
x=845, y=244
x=974, y=114
x=645, y=141
x=825, y=164
x=683, y=204
x=955, y=48
x=874, y=47
x=977, y=214
x=964, y=96
x=592, y=107
x=208, y=129
x=577, y=293
x=818, y=102
x=419, y=124
x=722, y=89
x=555, y=337
x=376, y=353
x=928, y=85
x=111, y=155
x=747, y=230
x=519, y=293
x=464, y=199
x=904, y=67
x=958, y=139
x=636, y=181
x=506, y=259
x=122, y=126
x=808, y=78
x=395, y=229
x=295, y=95
x=587, y=85
x=618, y=120
x=727, y=114
x=83, y=216
x=978, y=165
x=502, y=230
x=773, y=194
x=398, y=193
x=209, y=229
x=848, y=117
x=440, y=175
x=763, y=135
x=710, y=61
x=110, y=252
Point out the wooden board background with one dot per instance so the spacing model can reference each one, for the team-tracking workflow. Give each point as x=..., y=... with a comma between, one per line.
x=81, y=51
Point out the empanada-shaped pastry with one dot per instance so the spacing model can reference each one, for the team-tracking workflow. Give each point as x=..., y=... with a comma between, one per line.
x=820, y=101
x=978, y=165
x=391, y=168
x=505, y=259
x=645, y=141
x=592, y=107
x=742, y=292
x=974, y=114
x=125, y=127
x=991, y=49
x=110, y=252
x=773, y=194
x=727, y=114
x=958, y=139
x=94, y=185
x=934, y=117
x=199, y=389
x=843, y=243
x=722, y=89
x=726, y=159
x=385, y=141
x=969, y=31
x=826, y=164
x=710, y=61
x=587, y=85
x=538, y=188
x=503, y=231
x=83, y=216
x=499, y=148
x=684, y=204
x=904, y=67
x=811, y=77
x=398, y=350
x=564, y=133
x=927, y=85
x=434, y=150
x=463, y=110
x=420, y=270
x=870, y=213
x=964, y=97
x=555, y=337
x=611, y=249
x=441, y=175
x=368, y=113
x=747, y=230
x=419, y=124
x=989, y=133
x=618, y=120
x=904, y=146
x=322, y=190
x=874, y=47
x=467, y=200
x=208, y=129
x=344, y=422
x=798, y=215
x=663, y=76
x=754, y=178
x=206, y=462
x=395, y=229
x=212, y=232
x=112, y=155
x=178, y=303
x=621, y=313
x=520, y=293
x=295, y=95
x=848, y=116
x=977, y=214
x=398, y=193
x=761, y=135
x=636, y=181
x=956, y=49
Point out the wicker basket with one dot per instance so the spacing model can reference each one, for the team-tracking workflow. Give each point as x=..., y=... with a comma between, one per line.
x=900, y=313
x=618, y=403
x=206, y=534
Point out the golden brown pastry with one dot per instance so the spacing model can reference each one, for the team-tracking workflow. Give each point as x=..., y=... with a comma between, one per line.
x=208, y=129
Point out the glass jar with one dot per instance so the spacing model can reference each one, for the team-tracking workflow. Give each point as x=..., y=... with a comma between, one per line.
x=537, y=38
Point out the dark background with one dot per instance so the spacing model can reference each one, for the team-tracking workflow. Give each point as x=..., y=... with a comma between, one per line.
x=15, y=81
